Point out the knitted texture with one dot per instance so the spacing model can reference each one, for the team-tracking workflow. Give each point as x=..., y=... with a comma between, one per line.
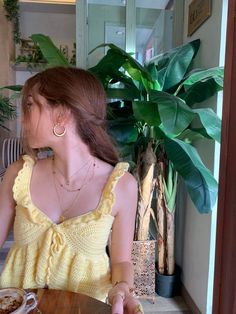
x=68, y=256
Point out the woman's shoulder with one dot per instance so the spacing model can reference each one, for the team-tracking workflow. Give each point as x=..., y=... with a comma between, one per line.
x=126, y=192
x=119, y=169
x=125, y=181
x=15, y=167
x=12, y=171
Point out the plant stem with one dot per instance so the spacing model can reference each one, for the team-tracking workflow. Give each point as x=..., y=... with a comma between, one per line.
x=145, y=173
x=161, y=219
x=170, y=232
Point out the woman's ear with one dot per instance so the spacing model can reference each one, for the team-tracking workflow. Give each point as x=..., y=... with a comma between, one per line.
x=62, y=115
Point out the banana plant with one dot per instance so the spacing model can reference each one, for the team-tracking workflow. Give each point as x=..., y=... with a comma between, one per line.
x=152, y=111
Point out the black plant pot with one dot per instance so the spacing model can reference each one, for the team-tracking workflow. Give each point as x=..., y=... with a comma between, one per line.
x=168, y=286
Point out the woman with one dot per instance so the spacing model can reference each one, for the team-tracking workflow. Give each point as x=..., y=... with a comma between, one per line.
x=65, y=206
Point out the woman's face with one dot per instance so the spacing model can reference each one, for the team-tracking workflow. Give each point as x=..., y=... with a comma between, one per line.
x=38, y=129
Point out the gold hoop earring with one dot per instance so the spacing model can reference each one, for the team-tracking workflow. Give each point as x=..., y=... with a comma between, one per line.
x=56, y=133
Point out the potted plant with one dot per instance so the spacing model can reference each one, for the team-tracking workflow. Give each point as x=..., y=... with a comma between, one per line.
x=152, y=113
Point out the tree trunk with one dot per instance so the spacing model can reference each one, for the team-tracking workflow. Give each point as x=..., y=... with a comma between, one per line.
x=161, y=247
x=170, y=243
x=145, y=174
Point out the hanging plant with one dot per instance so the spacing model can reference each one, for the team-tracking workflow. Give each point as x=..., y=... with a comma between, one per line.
x=12, y=14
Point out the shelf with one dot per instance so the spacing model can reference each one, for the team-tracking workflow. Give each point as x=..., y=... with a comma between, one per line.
x=22, y=66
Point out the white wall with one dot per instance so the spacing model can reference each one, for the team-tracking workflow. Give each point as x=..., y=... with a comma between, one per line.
x=56, y=21
x=7, y=76
x=197, y=228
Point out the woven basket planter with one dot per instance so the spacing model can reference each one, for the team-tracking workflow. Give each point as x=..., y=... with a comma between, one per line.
x=143, y=257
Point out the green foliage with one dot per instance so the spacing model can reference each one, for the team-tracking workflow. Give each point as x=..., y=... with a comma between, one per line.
x=32, y=59
x=12, y=14
x=52, y=55
x=7, y=110
x=155, y=102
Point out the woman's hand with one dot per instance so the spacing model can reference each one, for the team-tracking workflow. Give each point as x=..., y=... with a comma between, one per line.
x=117, y=304
x=132, y=305
x=123, y=302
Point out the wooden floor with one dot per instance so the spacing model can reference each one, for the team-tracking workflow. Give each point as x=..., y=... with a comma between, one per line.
x=174, y=305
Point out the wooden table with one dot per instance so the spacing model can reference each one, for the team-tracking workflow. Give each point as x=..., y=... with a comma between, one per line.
x=65, y=302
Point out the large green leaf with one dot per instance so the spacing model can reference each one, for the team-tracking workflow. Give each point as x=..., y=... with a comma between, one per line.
x=173, y=65
x=201, y=131
x=108, y=67
x=139, y=76
x=158, y=133
x=202, y=85
x=121, y=93
x=117, y=58
x=191, y=135
x=50, y=52
x=201, y=185
x=154, y=74
x=108, y=71
x=147, y=111
x=202, y=75
x=175, y=115
x=126, y=57
x=211, y=122
x=125, y=82
x=15, y=88
x=170, y=187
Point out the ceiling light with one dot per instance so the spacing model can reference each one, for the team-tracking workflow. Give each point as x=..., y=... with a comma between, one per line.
x=50, y=1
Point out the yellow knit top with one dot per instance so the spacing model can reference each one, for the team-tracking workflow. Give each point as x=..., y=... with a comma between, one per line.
x=68, y=256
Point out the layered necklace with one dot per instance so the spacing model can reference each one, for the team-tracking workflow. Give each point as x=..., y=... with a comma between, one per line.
x=89, y=174
x=66, y=185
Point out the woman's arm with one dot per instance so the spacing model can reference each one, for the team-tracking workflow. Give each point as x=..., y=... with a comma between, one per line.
x=123, y=230
x=120, y=295
x=7, y=203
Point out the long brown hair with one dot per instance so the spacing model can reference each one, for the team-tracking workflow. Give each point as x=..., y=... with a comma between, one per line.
x=84, y=95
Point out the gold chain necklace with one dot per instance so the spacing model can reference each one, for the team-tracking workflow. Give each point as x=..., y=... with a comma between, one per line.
x=64, y=186
x=67, y=180
x=85, y=182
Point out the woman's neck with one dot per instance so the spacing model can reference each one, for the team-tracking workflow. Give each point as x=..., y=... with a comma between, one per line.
x=71, y=157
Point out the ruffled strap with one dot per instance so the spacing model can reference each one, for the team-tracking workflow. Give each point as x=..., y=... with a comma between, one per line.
x=22, y=181
x=108, y=196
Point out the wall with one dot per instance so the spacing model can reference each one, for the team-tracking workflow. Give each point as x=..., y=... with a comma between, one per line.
x=198, y=238
x=56, y=21
x=7, y=76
